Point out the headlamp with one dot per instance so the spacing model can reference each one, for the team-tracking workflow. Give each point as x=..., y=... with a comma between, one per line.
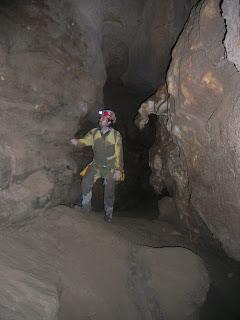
x=110, y=115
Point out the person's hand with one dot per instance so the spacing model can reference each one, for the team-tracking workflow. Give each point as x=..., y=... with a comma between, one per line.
x=117, y=175
x=74, y=141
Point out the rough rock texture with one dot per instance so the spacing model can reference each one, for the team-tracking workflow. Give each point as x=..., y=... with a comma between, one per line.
x=99, y=271
x=171, y=268
x=138, y=38
x=51, y=75
x=23, y=297
x=168, y=211
x=150, y=51
x=230, y=13
x=157, y=104
x=168, y=170
x=198, y=142
x=121, y=21
x=52, y=71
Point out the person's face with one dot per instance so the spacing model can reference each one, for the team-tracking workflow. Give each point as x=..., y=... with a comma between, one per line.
x=103, y=122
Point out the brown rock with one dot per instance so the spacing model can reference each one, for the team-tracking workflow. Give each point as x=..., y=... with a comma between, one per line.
x=205, y=123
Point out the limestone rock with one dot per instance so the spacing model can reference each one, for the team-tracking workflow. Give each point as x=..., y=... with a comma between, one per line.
x=161, y=23
x=24, y=297
x=5, y=171
x=83, y=257
x=41, y=188
x=20, y=200
x=51, y=74
x=121, y=20
x=204, y=124
x=231, y=15
x=181, y=279
x=167, y=210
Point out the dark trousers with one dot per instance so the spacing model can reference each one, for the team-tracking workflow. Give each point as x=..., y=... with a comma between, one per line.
x=92, y=175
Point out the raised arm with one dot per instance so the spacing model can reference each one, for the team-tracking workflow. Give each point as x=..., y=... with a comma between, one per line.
x=87, y=140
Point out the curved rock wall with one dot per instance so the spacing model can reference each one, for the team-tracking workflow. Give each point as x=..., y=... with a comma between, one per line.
x=51, y=74
x=150, y=51
x=203, y=123
x=121, y=21
x=137, y=42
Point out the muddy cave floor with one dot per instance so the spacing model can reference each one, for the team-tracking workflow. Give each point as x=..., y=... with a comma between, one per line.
x=65, y=243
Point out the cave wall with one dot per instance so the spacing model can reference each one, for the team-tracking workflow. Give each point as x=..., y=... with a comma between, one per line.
x=51, y=76
x=53, y=61
x=120, y=26
x=201, y=131
x=137, y=43
x=150, y=50
x=136, y=63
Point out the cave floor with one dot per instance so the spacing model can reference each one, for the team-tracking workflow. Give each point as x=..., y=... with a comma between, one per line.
x=89, y=261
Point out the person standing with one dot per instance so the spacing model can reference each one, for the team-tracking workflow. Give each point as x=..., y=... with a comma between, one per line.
x=107, y=161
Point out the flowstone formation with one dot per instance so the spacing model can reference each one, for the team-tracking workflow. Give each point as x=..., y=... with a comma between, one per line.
x=196, y=154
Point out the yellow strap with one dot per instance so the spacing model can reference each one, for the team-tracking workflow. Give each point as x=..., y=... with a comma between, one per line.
x=84, y=171
x=122, y=176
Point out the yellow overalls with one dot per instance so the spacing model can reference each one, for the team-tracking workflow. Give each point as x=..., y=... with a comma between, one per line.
x=108, y=157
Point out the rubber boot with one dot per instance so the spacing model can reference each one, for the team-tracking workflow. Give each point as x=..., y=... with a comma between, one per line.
x=108, y=215
x=86, y=203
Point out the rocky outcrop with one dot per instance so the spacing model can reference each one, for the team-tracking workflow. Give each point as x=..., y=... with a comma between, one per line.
x=197, y=148
x=157, y=104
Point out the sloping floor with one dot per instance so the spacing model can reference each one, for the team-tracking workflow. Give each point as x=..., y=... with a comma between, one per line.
x=133, y=268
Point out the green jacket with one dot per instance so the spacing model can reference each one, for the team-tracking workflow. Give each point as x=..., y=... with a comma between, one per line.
x=107, y=148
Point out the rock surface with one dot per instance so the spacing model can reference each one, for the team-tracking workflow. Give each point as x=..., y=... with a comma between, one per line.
x=170, y=268
x=51, y=74
x=53, y=57
x=99, y=270
x=197, y=144
x=23, y=297
x=150, y=51
x=230, y=12
x=168, y=210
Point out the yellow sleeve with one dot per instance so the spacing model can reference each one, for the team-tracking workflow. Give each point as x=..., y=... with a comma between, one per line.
x=119, y=153
x=87, y=140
